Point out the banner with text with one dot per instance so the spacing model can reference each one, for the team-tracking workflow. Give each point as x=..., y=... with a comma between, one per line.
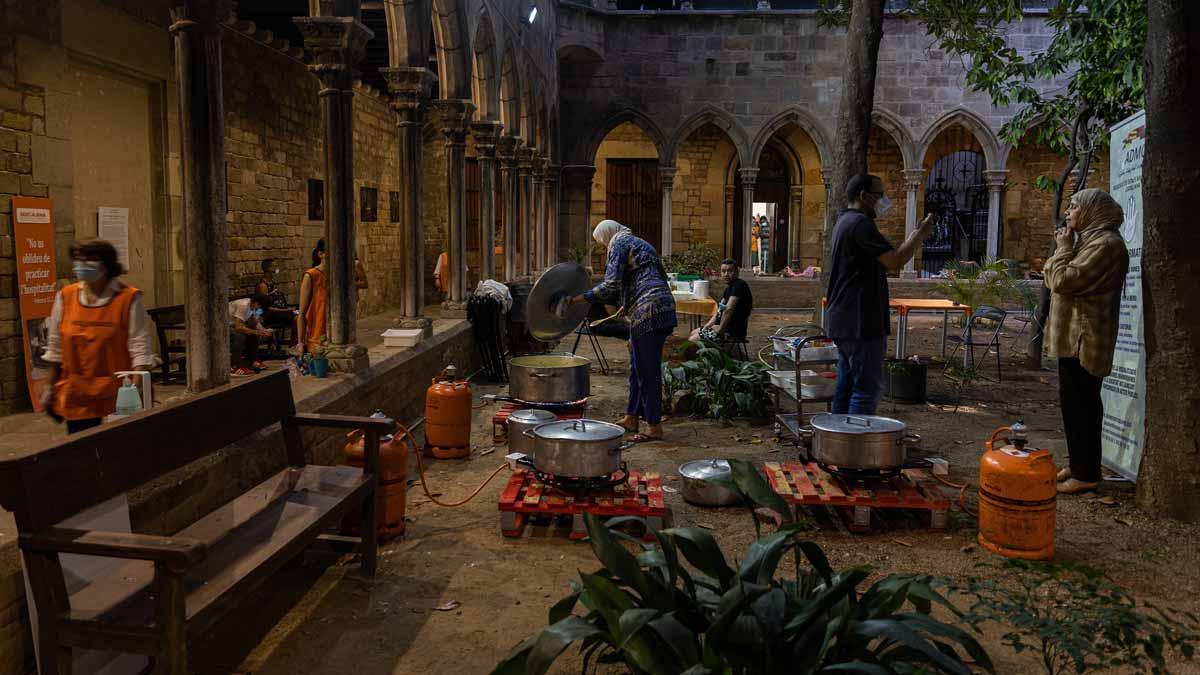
x=33, y=228
x=1124, y=391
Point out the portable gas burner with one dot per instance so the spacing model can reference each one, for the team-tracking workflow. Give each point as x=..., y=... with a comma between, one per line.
x=532, y=496
x=579, y=487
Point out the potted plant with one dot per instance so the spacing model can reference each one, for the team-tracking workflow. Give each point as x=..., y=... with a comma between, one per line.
x=317, y=360
x=905, y=381
x=694, y=262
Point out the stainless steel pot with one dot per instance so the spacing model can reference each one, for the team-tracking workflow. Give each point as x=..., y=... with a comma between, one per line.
x=858, y=442
x=521, y=421
x=697, y=487
x=577, y=448
x=549, y=377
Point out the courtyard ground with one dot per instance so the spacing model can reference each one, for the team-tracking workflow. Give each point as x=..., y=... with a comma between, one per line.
x=319, y=617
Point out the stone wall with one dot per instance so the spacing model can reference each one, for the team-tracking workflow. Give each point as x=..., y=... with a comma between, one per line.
x=435, y=215
x=377, y=165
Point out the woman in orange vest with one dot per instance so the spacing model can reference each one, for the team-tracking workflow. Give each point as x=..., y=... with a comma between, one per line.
x=311, y=322
x=96, y=328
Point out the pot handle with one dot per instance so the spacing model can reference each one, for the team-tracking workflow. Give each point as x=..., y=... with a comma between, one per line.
x=861, y=421
x=621, y=448
x=909, y=439
x=540, y=376
x=527, y=433
x=805, y=432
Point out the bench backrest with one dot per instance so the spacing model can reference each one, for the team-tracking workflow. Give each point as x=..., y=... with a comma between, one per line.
x=42, y=487
x=171, y=316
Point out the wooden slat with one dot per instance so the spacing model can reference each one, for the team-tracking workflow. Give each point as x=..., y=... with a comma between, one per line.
x=178, y=552
x=382, y=424
x=169, y=619
x=91, y=467
x=833, y=492
x=128, y=639
x=803, y=485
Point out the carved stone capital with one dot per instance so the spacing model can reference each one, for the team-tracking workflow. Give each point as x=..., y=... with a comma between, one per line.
x=913, y=179
x=748, y=176
x=337, y=43
x=487, y=135
x=409, y=88
x=506, y=150
x=996, y=179
x=667, y=175
x=525, y=158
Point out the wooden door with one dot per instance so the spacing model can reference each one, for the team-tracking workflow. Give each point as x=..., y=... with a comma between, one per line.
x=634, y=197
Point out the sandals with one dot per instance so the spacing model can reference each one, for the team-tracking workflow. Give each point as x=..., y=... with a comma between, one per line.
x=644, y=438
x=1073, y=486
x=1064, y=474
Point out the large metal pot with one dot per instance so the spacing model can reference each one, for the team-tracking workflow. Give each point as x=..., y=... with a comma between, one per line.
x=577, y=448
x=549, y=378
x=697, y=485
x=521, y=421
x=860, y=442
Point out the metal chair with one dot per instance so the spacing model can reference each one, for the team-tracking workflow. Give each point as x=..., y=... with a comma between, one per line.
x=586, y=329
x=984, y=321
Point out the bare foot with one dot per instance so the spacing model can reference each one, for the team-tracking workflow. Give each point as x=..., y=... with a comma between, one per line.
x=629, y=422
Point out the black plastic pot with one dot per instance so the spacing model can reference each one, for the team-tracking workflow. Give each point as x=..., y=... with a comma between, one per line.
x=904, y=380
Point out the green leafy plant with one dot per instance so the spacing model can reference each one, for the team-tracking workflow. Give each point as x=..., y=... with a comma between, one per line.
x=1077, y=620
x=714, y=384
x=678, y=606
x=581, y=253
x=971, y=284
x=699, y=259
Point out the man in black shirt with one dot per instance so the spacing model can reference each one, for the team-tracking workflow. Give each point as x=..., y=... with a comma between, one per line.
x=857, y=315
x=730, y=322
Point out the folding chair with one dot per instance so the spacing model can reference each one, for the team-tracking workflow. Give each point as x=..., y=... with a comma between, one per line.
x=585, y=328
x=1026, y=318
x=986, y=321
x=735, y=348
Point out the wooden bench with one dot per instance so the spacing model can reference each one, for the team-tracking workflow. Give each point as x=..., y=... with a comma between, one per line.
x=170, y=319
x=176, y=587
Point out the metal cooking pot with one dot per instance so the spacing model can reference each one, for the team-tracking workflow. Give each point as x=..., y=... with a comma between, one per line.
x=521, y=421
x=697, y=487
x=577, y=448
x=858, y=442
x=549, y=377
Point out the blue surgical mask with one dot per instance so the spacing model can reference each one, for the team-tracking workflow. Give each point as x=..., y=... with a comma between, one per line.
x=257, y=312
x=87, y=271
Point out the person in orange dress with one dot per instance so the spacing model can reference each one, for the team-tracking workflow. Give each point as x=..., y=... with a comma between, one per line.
x=311, y=322
x=97, y=327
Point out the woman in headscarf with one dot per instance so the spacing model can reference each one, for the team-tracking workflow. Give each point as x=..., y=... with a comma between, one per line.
x=1086, y=276
x=634, y=277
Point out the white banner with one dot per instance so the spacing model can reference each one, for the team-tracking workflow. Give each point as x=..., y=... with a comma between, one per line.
x=1124, y=392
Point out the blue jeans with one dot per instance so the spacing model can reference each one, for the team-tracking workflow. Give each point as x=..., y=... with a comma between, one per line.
x=860, y=376
x=645, y=377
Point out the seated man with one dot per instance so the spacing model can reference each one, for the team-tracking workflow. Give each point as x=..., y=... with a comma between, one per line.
x=245, y=329
x=730, y=322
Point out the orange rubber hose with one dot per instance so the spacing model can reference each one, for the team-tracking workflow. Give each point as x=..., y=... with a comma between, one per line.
x=408, y=438
x=962, y=492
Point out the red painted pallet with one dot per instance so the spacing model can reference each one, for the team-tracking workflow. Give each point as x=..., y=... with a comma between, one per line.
x=810, y=485
x=500, y=419
x=525, y=498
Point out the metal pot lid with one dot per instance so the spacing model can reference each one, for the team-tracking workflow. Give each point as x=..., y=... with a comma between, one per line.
x=857, y=424
x=704, y=469
x=579, y=430
x=549, y=361
x=566, y=279
x=532, y=416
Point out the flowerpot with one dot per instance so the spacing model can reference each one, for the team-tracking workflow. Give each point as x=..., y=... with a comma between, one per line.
x=904, y=380
x=318, y=367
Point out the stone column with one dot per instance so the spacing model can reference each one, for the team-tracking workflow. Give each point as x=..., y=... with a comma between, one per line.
x=552, y=212
x=506, y=149
x=748, y=177
x=577, y=200
x=912, y=183
x=486, y=133
x=410, y=88
x=537, y=207
x=995, y=183
x=197, y=30
x=666, y=174
x=796, y=224
x=452, y=118
x=524, y=169
x=337, y=43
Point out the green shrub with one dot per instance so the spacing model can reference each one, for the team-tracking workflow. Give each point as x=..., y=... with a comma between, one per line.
x=716, y=385
x=698, y=259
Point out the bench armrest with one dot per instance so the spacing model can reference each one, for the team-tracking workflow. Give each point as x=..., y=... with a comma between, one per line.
x=178, y=553
x=383, y=425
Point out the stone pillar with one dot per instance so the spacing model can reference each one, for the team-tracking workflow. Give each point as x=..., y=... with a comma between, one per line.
x=796, y=223
x=486, y=133
x=748, y=177
x=666, y=175
x=506, y=150
x=553, y=206
x=197, y=30
x=337, y=43
x=577, y=200
x=410, y=88
x=995, y=183
x=525, y=189
x=912, y=184
x=452, y=117
x=537, y=207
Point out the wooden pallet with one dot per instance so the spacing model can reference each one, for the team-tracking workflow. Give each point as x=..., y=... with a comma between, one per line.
x=807, y=485
x=500, y=419
x=526, y=499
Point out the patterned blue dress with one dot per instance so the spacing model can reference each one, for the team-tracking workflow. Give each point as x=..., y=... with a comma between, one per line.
x=635, y=279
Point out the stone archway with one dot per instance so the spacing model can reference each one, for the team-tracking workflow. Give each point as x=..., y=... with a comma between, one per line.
x=485, y=90
x=450, y=37
x=510, y=94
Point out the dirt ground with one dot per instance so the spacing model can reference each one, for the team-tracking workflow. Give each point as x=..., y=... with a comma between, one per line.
x=319, y=617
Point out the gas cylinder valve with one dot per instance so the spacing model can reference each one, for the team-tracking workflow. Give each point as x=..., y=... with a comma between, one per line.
x=1018, y=434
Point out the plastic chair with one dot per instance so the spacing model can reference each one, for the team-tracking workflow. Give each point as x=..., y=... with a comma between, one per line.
x=984, y=321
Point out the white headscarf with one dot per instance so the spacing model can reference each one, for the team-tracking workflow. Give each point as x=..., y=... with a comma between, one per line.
x=608, y=231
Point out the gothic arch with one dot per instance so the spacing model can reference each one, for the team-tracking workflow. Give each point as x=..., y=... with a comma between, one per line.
x=710, y=114
x=588, y=154
x=971, y=122
x=408, y=34
x=889, y=122
x=528, y=113
x=510, y=94
x=801, y=118
x=454, y=62
x=486, y=90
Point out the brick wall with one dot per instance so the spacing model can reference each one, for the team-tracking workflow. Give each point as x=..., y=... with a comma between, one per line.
x=698, y=208
x=377, y=165
x=884, y=160
x=434, y=214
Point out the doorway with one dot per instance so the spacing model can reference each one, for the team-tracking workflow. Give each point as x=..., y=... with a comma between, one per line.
x=772, y=191
x=633, y=197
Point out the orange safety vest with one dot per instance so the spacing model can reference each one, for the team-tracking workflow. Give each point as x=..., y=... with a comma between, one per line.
x=95, y=345
x=314, y=316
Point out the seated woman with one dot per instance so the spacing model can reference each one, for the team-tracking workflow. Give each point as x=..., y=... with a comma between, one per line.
x=732, y=319
x=277, y=314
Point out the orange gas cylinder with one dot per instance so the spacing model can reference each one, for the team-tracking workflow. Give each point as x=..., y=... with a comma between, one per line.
x=448, y=416
x=1016, y=497
x=391, y=492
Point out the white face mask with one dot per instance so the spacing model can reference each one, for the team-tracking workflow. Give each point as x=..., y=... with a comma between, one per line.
x=882, y=206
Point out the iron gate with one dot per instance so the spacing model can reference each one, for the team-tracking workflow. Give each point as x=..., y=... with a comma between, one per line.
x=955, y=192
